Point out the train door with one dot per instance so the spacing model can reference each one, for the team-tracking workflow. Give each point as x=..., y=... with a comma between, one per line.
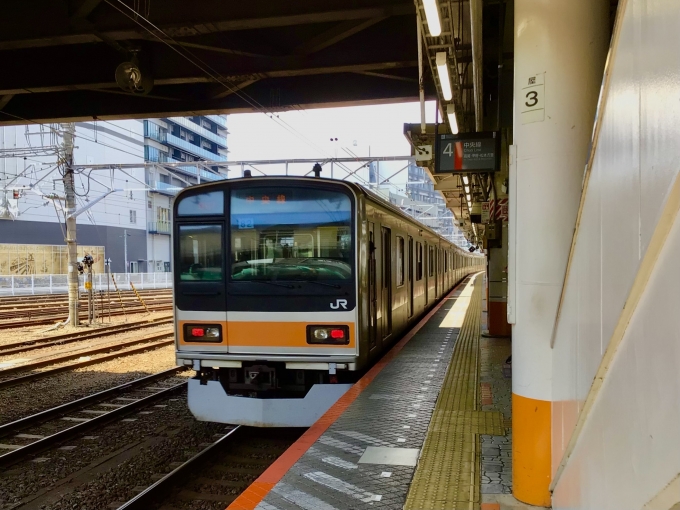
x=372, y=290
x=409, y=276
x=386, y=297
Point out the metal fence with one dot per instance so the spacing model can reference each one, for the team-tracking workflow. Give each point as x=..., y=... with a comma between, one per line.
x=14, y=285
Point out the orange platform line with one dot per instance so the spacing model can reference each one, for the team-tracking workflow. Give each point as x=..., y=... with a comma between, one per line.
x=256, y=492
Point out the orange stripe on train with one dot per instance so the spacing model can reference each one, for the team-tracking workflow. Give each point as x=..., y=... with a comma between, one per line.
x=268, y=334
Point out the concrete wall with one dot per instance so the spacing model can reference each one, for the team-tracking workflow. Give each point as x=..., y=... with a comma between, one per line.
x=39, y=232
x=616, y=357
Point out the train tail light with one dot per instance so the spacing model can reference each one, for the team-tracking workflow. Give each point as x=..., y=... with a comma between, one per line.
x=203, y=333
x=334, y=335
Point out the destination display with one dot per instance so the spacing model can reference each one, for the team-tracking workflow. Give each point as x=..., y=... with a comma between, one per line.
x=468, y=152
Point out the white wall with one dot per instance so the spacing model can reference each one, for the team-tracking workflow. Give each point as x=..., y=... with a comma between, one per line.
x=628, y=445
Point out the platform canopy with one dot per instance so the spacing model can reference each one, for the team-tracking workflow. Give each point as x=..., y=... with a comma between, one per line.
x=203, y=56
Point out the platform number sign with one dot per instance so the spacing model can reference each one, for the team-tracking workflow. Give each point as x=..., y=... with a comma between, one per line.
x=467, y=152
x=532, y=99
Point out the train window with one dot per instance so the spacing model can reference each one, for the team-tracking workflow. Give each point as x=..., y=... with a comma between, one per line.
x=400, y=261
x=290, y=233
x=203, y=204
x=419, y=262
x=430, y=262
x=200, y=252
x=387, y=257
x=446, y=262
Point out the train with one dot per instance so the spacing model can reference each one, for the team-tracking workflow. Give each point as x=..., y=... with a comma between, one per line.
x=286, y=289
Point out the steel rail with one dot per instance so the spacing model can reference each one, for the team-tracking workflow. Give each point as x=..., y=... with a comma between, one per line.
x=46, y=373
x=154, y=493
x=80, y=354
x=53, y=319
x=47, y=308
x=19, y=454
x=21, y=423
x=41, y=343
x=63, y=296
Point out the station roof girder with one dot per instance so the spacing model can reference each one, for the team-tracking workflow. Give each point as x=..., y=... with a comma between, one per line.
x=206, y=56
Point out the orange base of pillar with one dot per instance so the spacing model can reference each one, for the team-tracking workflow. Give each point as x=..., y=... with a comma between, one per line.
x=498, y=319
x=531, y=450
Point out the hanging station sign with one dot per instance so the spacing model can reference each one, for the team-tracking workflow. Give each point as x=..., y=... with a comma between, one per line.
x=468, y=152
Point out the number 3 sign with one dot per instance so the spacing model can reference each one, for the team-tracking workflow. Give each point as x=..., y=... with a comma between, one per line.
x=532, y=99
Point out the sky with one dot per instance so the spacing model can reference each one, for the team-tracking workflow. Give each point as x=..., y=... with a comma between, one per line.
x=308, y=133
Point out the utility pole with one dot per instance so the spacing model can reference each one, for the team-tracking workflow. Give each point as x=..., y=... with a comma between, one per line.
x=69, y=132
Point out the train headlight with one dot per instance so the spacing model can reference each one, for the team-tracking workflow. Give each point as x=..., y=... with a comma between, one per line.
x=202, y=333
x=336, y=335
x=320, y=334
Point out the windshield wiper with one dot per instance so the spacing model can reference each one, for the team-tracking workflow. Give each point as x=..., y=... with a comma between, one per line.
x=322, y=283
x=269, y=282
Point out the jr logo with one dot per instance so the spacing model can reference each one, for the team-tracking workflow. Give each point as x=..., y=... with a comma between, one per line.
x=338, y=304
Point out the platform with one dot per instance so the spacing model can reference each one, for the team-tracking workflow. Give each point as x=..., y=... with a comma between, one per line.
x=419, y=431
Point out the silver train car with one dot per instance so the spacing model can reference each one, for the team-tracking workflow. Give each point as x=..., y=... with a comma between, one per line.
x=287, y=289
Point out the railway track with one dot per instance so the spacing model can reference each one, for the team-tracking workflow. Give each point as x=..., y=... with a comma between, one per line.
x=218, y=473
x=33, y=311
x=126, y=348
x=42, y=431
x=49, y=341
x=61, y=298
x=158, y=307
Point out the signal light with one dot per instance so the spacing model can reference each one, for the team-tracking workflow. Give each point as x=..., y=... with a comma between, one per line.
x=337, y=333
x=15, y=194
x=197, y=332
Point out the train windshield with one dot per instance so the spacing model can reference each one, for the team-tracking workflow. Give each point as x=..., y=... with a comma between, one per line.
x=290, y=233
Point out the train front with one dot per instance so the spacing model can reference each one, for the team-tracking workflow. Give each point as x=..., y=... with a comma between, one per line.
x=265, y=298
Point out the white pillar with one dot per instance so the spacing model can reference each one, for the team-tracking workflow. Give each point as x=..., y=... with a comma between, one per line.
x=560, y=51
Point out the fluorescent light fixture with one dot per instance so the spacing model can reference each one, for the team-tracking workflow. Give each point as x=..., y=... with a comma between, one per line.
x=465, y=180
x=443, y=72
x=434, y=25
x=453, y=122
x=467, y=190
x=468, y=197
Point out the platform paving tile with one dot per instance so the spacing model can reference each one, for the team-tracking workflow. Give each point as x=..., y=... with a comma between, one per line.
x=394, y=412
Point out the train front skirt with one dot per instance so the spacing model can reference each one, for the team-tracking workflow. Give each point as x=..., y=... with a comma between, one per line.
x=209, y=402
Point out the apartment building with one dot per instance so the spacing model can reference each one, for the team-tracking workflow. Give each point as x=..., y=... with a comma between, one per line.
x=185, y=142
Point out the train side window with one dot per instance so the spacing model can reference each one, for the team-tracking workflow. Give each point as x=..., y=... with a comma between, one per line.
x=430, y=262
x=200, y=252
x=400, y=261
x=387, y=255
x=419, y=262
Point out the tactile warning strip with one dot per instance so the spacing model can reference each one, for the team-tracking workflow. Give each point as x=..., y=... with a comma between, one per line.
x=447, y=475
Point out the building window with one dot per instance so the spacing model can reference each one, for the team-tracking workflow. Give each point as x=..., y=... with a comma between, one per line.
x=150, y=204
x=400, y=261
x=133, y=216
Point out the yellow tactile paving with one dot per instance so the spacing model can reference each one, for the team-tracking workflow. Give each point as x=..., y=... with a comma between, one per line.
x=447, y=476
